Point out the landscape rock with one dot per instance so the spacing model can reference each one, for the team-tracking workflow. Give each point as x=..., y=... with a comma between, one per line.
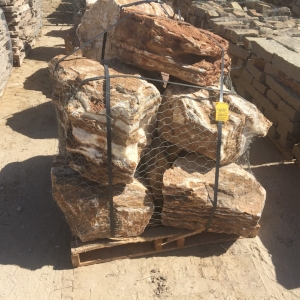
x=186, y=118
x=104, y=14
x=173, y=47
x=86, y=205
x=6, y=58
x=82, y=117
x=188, y=200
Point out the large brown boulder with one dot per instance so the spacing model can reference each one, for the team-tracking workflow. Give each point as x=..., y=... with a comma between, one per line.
x=186, y=118
x=82, y=117
x=102, y=15
x=173, y=47
x=86, y=205
x=188, y=200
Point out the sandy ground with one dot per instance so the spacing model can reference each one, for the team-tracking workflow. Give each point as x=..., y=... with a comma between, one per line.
x=35, y=239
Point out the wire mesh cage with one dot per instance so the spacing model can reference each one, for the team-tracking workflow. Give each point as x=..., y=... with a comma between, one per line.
x=140, y=149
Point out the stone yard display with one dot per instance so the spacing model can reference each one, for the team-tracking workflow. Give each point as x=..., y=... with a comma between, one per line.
x=163, y=143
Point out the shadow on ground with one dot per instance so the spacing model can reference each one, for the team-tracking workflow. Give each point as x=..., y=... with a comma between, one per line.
x=280, y=232
x=46, y=53
x=63, y=13
x=38, y=122
x=62, y=33
x=38, y=234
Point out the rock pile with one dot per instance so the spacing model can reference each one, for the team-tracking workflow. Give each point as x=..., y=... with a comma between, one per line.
x=263, y=44
x=163, y=143
x=24, y=19
x=5, y=53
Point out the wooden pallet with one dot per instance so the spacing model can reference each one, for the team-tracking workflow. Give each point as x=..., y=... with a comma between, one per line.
x=153, y=241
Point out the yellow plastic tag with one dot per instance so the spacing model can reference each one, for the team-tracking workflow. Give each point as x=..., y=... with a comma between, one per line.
x=222, y=111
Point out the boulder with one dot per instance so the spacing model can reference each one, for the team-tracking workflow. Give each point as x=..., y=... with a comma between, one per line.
x=173, y=47
x=186, y=118
x=105, y=13
x=188, y=200
x=87, y=209
x=81, y=111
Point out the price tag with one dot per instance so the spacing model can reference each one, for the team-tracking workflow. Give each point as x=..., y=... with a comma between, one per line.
x=222, y=111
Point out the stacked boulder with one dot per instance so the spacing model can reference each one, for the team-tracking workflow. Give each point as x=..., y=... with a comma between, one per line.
x=163, y=138
x=24, y=19
x=5, y=53
x=263, y=45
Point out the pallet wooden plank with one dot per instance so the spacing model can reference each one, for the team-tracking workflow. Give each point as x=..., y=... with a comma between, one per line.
x=180, y=243
x=158, y=245
x=149, y=234
x=133, y=250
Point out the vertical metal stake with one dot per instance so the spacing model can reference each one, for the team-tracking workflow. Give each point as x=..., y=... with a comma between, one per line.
x=218, y=154
x=109, y=151
x=103, y=45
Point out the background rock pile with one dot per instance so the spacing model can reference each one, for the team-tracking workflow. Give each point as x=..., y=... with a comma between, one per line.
x=5, y=53
x=163, y=137
x=24, y=19
x=263, y=44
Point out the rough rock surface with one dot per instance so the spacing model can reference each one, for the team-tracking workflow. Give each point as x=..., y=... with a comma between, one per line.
x=6, y=57
x=186, y=118
x=194, y=162
x=176, y=48
x=82, y=117
x=188, y=200
x=86, y=206
x=104, y=14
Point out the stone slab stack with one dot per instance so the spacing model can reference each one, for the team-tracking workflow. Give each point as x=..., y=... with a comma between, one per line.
x=5, y=53
x=157, y=132
x=24, y=19
x=263, y=45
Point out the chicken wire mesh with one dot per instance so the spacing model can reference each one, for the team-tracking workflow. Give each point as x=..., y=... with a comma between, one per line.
x=6, y=56
x=66, y=12
x=160, y=166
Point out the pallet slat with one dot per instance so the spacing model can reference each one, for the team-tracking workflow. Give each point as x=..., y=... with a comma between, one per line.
x=153, y=241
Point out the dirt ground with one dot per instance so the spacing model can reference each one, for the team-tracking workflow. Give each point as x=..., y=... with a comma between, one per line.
x=35, y=239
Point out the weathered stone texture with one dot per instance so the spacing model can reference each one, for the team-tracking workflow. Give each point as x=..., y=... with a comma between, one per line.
x=105, y=13
x=186, y=118
x=176, y=48
x=82, y=117
x=188, y=200
x=86, y=205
